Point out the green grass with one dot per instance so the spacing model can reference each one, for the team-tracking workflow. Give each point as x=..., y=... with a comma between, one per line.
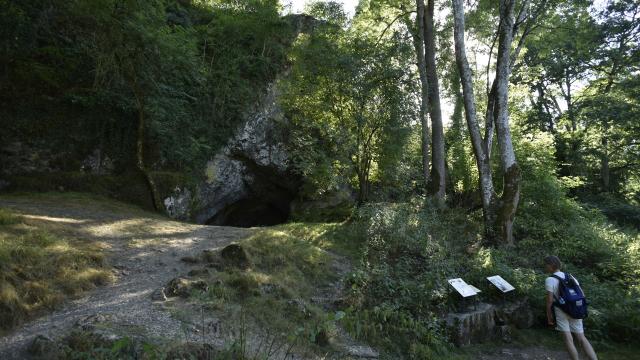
x=544, y=339
x=272, y=298
x=39, y=268
x=127, y=187
x=80, y=200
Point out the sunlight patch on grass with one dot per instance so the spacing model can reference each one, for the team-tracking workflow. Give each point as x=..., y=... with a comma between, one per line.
x=55, y=219
x=40, y=267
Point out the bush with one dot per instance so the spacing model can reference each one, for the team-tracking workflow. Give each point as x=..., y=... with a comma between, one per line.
x=399, y=293
x=615, y=209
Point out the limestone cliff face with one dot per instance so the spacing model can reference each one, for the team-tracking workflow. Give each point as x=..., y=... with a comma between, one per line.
x=249, y=181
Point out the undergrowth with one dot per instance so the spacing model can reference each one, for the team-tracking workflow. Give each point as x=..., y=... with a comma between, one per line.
x=274, y=298
x=399, y=293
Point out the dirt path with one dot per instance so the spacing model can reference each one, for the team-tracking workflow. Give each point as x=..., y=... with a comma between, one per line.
x=528, y=353
x=145, y=251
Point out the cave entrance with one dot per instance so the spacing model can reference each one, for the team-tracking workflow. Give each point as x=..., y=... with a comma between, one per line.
x=251, y=212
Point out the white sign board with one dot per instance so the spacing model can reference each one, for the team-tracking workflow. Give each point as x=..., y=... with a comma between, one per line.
x=474, y=288
x=501, y=283
x=463, y=288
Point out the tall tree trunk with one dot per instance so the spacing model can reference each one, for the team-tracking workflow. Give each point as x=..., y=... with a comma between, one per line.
x=499, y=214
x=605, y=172
x=489, y=124
x=424, y=90
x=480, y=152
x=438, y=172
x=511, y=171
x=362, y=187
x=568, y=98
x=457, y=148
x=140, y=163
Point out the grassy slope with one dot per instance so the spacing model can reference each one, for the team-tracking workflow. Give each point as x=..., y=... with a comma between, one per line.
x=41, y=264
x=64, y=259
x=271, y=303
x=47, y=258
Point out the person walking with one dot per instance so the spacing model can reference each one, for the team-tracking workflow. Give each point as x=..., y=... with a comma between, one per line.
x=565, y=295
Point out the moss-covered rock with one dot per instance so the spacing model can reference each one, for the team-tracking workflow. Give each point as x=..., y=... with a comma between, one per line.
x=235, y=256
x=184, y=287
x=43, y=347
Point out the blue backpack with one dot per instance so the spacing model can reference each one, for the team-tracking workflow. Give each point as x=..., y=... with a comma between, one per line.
x=571, y=299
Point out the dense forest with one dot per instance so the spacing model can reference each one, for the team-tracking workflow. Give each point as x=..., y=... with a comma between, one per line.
x=410, y=141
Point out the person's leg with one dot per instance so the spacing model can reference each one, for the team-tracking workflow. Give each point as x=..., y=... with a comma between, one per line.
x=568, y=343
x=586, y=346
x=564, y=327
x=578, y=331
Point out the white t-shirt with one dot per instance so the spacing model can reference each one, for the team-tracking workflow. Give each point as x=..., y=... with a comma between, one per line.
x=552, y=284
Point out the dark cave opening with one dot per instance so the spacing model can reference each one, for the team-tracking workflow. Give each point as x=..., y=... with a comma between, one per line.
x=252, y=212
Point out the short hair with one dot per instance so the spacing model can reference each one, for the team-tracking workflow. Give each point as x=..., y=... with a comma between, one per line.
x=553, y=261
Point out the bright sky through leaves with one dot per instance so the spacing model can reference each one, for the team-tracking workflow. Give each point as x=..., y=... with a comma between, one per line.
x=297, y=6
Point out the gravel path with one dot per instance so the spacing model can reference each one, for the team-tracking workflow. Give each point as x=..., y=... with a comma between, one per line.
x=145, y=251
x=529, y=353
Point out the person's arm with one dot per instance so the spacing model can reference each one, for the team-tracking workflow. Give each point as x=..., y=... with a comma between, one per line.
x=550, y=308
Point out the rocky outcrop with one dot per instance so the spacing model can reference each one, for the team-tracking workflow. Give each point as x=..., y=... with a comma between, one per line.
x=474, y=326
x=43, y=347
x=98, y=163
x=485, y=322
x=516, y=314
x=249, y=182
x=18, y=157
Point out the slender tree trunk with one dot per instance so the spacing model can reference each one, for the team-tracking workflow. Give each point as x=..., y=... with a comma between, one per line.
x=485, y=180
x=569, y=100
x=460, y=159
x=438, y=171
x=511, y=171
x=362, y=187
x=140, y=163
x=489, y=124
x=424, y=90
x=605, y=172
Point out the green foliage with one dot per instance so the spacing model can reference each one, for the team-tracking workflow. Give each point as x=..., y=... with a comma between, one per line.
x=400, y=288
x=460, y=155
x=399, y=291
x=615, y=209
x=347, y=98
x=77, y=75
x=243, y=47
x=594, y=125
x=329, y=11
